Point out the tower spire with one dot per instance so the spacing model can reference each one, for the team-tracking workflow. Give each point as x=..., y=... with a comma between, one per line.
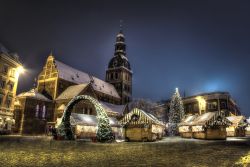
x=121, y=21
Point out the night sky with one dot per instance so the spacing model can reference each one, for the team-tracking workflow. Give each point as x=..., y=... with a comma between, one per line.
x=198, y=46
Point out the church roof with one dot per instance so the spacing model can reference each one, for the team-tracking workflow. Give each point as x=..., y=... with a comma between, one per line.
x=104, y=87
x=33, y=94
x=71, y=74
x=72, y=91
x=76, y=76
x=113, y=108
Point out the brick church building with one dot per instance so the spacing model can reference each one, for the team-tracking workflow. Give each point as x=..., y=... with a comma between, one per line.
x=58, y=83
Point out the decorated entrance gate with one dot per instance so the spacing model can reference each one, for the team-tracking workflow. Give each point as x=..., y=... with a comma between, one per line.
x=104, y=131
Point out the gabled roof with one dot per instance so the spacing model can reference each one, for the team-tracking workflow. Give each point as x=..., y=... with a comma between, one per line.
x=236, y=120
x=112, y=108
x=72, y=91
x=188, y=120
x=33, y=94
x=210, y=119
x=89, y=120
x=149, y=118
x=76, y=76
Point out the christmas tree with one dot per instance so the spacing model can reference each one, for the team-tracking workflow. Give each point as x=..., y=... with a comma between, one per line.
x=176, y=113
x=104, y=131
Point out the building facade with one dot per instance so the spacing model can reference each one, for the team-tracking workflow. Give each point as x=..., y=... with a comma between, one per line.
x=10, y=68
x=207, y=102
x=119, y=72
x=211, y=102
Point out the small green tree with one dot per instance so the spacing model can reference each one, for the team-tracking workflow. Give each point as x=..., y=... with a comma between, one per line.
x=176, y=113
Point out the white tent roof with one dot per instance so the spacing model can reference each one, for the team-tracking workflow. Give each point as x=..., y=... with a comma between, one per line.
x=89, y=120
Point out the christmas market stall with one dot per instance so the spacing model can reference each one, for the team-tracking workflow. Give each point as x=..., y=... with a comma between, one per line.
x=210, y=125
x=141, y=126
x=237, y=129
x=247, y=132
x=84, y=126
x=185, y=128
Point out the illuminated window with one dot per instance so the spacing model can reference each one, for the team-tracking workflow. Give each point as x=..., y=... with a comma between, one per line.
x=37, y=111
x=212, y=105
x=12, y=72
x=44, y=112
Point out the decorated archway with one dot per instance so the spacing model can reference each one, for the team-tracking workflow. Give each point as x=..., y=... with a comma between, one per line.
x=104, y=131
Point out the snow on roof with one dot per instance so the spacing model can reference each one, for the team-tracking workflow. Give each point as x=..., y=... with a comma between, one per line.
x=72, y=91
x=210, y=118
x=90, y=120
x=104, y=87
x=188, y=120
x=33, y=94
x=204, y=118
x=150, y=117
x=120, y=34
x=113, y=108
x=248, y=120
x=70, y=74
x=73, y=75
x=236, y=120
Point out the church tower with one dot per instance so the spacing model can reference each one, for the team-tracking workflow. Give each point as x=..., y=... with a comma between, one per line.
x=119, y=72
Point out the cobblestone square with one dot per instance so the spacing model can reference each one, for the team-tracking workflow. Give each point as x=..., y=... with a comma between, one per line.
x=40, y=151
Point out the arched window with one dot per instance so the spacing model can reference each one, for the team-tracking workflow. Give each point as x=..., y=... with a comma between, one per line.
x=44, y=112
x=37, y=111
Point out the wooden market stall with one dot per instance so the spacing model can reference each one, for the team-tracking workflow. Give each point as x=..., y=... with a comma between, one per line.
x=185, y=128
x=210, y=125
x=141, y=126
x=237, y=129
x=85, y=126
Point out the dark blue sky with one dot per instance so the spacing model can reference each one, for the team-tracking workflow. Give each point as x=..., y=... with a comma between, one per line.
x=198, y=46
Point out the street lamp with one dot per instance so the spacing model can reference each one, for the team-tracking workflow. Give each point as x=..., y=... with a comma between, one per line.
x=19, y=70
